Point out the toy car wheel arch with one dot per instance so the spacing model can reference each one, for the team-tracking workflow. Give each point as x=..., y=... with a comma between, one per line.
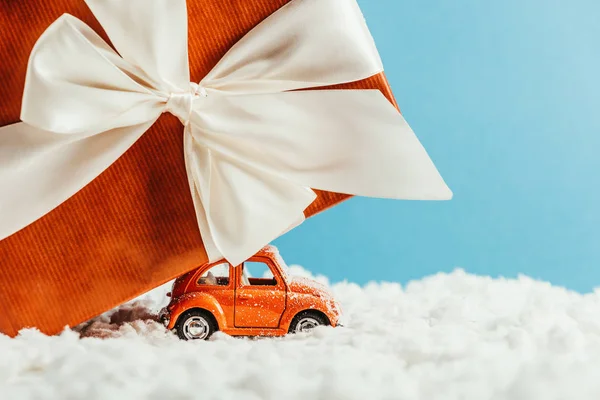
x=196, y=324
x=307, y=320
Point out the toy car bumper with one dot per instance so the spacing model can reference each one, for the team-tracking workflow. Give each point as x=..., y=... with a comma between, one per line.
x=164, y=316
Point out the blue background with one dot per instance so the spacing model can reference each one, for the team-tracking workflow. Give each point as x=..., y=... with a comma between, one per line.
x=504, y=95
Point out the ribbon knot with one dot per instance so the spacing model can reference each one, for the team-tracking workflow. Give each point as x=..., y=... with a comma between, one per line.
x=182, y=104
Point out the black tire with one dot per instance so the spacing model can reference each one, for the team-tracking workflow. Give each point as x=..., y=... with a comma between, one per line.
x=196, y=325
x=306, y=321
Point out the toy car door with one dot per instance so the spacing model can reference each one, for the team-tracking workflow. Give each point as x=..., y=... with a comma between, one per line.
x=259, y=296
x=218, y=281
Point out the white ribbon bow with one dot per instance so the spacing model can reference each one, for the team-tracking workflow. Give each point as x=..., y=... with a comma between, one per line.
x=253, y=146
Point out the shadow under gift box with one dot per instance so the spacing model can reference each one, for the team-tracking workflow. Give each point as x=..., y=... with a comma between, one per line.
x=134, y=227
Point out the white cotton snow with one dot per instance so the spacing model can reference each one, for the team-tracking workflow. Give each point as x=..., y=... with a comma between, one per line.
x=450, y=336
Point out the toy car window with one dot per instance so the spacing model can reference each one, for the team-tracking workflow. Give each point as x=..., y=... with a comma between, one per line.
x=218, y=275
x=257, y=274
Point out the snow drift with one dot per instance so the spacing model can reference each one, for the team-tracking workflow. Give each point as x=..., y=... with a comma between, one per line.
x=449, y=336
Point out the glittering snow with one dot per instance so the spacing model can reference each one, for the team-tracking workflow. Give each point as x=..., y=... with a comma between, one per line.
x=449, y=336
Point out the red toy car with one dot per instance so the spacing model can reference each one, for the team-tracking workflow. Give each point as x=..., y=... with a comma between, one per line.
x=241, y=302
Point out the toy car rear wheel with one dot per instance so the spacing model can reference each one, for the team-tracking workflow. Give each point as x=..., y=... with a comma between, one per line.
x=306, y=321
x=196, y=325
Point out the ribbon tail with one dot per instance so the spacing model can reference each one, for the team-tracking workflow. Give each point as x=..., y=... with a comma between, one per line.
x=240, y=208
x=346, y=141
x=39, y=170
x=197, y=159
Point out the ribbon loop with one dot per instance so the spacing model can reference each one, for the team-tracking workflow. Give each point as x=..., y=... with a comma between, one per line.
x=151, y=34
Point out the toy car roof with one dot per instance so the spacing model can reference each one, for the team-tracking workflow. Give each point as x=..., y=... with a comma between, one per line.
x=269, y=251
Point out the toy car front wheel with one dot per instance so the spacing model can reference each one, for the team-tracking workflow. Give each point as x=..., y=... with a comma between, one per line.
x=306, y=321
x=196, y=325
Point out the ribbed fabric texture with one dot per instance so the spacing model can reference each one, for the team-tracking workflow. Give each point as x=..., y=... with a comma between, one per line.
x=134, y=227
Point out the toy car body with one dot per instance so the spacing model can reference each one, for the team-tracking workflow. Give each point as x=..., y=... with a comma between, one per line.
x=218, y=296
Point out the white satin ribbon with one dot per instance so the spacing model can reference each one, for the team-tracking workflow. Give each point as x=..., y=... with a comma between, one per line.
x=253, y=146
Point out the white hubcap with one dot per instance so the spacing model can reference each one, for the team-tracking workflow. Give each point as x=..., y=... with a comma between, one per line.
x=307, y=324
x=196, y=328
